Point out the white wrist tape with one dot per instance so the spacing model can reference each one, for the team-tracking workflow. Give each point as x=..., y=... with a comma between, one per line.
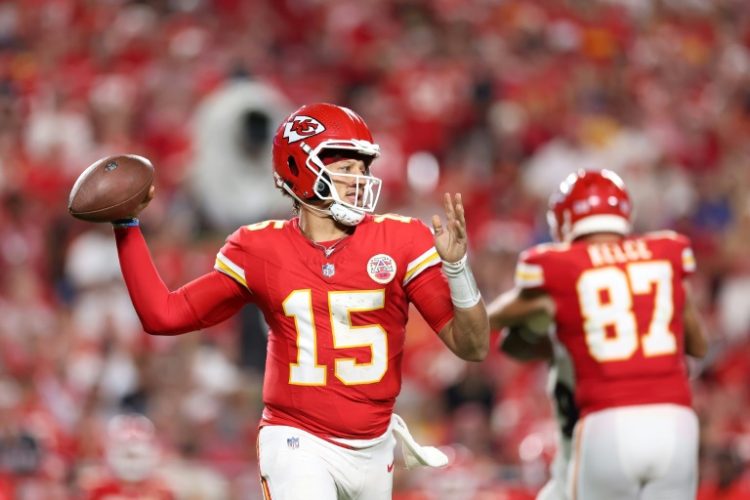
x=464, y=290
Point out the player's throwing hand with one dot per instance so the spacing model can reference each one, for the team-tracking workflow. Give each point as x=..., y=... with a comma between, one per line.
x=450, y=241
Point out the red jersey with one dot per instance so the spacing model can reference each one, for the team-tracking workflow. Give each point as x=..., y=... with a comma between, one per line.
x=113, y=489
x=619, y=313
x=337, y=317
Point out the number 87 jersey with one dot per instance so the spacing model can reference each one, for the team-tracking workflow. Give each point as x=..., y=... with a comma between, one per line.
x=619, y=313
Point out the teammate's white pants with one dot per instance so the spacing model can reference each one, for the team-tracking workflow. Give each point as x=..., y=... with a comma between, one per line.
x=296, y=465
x=555, y=488
x=645, y=452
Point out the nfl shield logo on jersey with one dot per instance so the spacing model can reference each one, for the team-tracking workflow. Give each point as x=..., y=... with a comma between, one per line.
x=328, y=270
x=292, y=442
x=381, y=268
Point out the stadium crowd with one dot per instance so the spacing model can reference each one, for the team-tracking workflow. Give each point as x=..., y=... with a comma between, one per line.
x=497, y=99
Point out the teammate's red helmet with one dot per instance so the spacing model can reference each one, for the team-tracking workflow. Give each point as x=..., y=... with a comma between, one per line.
x=589, y=201
x=299, y=145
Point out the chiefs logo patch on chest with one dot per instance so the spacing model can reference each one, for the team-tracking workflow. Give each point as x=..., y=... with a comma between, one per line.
x=381, y=268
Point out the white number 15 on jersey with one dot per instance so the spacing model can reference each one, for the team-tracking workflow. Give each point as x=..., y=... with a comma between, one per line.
x=307, y=371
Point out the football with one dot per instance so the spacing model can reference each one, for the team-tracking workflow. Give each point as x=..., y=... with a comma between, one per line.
x=535, y=327
x=539, y=323
x=111, y=188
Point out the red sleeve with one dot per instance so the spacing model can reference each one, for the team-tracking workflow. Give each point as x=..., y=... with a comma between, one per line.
x=537, y=265
x=680, y=249
x=203, y=302
x=686, y=258
x=431, y=296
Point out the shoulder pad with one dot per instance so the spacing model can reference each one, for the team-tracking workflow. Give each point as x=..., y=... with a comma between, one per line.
x=543, y=248
x=667, y=234
x=378, y=219
x=273, y=224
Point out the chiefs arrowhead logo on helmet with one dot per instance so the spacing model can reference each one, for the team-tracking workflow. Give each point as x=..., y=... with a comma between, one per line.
x=302, y=127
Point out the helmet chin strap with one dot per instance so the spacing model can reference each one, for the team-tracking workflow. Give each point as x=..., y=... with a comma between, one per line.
x=345, y=215
x=338, y=212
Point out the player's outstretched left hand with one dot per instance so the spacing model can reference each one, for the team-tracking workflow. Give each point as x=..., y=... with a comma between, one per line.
x=450, y=240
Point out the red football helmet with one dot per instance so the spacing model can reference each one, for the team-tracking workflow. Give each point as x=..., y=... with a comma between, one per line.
x=300, y=142
x=589, y=201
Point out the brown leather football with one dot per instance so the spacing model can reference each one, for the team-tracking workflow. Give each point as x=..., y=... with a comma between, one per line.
x=111, y=188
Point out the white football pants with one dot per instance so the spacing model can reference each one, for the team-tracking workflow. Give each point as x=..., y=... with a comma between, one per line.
x=645, y=452
x=296, y=465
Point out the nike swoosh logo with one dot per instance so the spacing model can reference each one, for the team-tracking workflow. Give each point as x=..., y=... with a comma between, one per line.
x=390, y=467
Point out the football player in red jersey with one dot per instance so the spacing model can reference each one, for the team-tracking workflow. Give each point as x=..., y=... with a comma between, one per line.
x=334, y=285
x=623, y=313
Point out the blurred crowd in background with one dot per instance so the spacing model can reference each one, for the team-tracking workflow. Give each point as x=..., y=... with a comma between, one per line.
x=497, y=99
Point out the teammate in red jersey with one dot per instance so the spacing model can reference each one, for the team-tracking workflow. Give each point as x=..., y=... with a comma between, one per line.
x=334, y=285
x=622, y=311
